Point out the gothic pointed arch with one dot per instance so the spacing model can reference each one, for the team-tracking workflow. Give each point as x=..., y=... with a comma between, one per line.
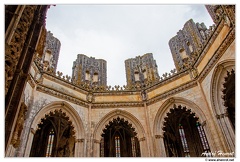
x=124, y=126
x=122, y=114
x=165, y=108
x=57, y=124
x=119, y=139
x=178, y=117
x=55, y=136
x=223, y=100
x=183, y=134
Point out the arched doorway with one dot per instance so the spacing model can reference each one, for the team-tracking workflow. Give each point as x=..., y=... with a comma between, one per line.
x=119, y=140
x=229, y=96
x=54, y=136
x=183, y=134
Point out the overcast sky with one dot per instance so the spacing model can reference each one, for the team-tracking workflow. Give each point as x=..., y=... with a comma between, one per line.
x=118, y=32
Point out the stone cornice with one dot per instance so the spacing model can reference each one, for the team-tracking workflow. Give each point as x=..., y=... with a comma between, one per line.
x=117, y=104
x=117, y=93
x=168, y=80
x=172, y=92
x=61, y=95
x=63, y=82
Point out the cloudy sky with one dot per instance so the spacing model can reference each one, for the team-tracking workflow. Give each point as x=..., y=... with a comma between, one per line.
x=118, y=32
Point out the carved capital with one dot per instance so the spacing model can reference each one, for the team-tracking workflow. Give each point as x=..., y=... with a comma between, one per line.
x=33, y=131
x=96, y=141
x=142, y=139
x=79, y=140
x=90, y=98
x=203, y=123
x=158, y=136
x=193, y=73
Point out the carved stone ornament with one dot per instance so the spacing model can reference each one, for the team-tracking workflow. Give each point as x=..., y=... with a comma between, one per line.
x=90, y=97
x=19, y=126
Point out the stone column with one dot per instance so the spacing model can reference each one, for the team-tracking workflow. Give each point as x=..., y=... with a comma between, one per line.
x=96, y=148
x=29, y=143
x=10, y=151
x=79, y=148
x=160, y=148
x=227, y=131
x=149, y=141
x=143, y=147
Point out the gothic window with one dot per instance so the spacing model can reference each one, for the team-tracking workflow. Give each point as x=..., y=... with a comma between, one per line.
x=203, y=137
x=133, y=146
x=50, y=144
x=54, y=136
x=117, y=146
x=184, y=141
x=183, y=134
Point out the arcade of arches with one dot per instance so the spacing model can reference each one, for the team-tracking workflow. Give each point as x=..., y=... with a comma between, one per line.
x=188, y=113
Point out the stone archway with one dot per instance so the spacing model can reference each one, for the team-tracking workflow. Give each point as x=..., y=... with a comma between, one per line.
x=70, y=120
x=132, y=121
x=223, y=101
x=183, y=134
x=55, y=136
x=119, y=140
x=229, y=96
x=162, y=115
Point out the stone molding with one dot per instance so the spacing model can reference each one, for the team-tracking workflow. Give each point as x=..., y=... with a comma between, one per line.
x=220, y=51
x=172, y=92
x=61, y=95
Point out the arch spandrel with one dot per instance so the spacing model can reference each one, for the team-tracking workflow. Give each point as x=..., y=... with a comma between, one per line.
x=121, y=114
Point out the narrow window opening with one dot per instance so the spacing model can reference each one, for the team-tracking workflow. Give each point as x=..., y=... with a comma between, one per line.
x=136, y=75
x=184, y=141
x=50, y=144
x=183, y=53
x=133, y=147
x=95, y=77
x=117, y=146
x=87, y=76
x=203, y=138
x=102, y=147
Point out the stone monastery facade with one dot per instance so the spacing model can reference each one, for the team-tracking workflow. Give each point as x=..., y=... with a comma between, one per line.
x=187, y=112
